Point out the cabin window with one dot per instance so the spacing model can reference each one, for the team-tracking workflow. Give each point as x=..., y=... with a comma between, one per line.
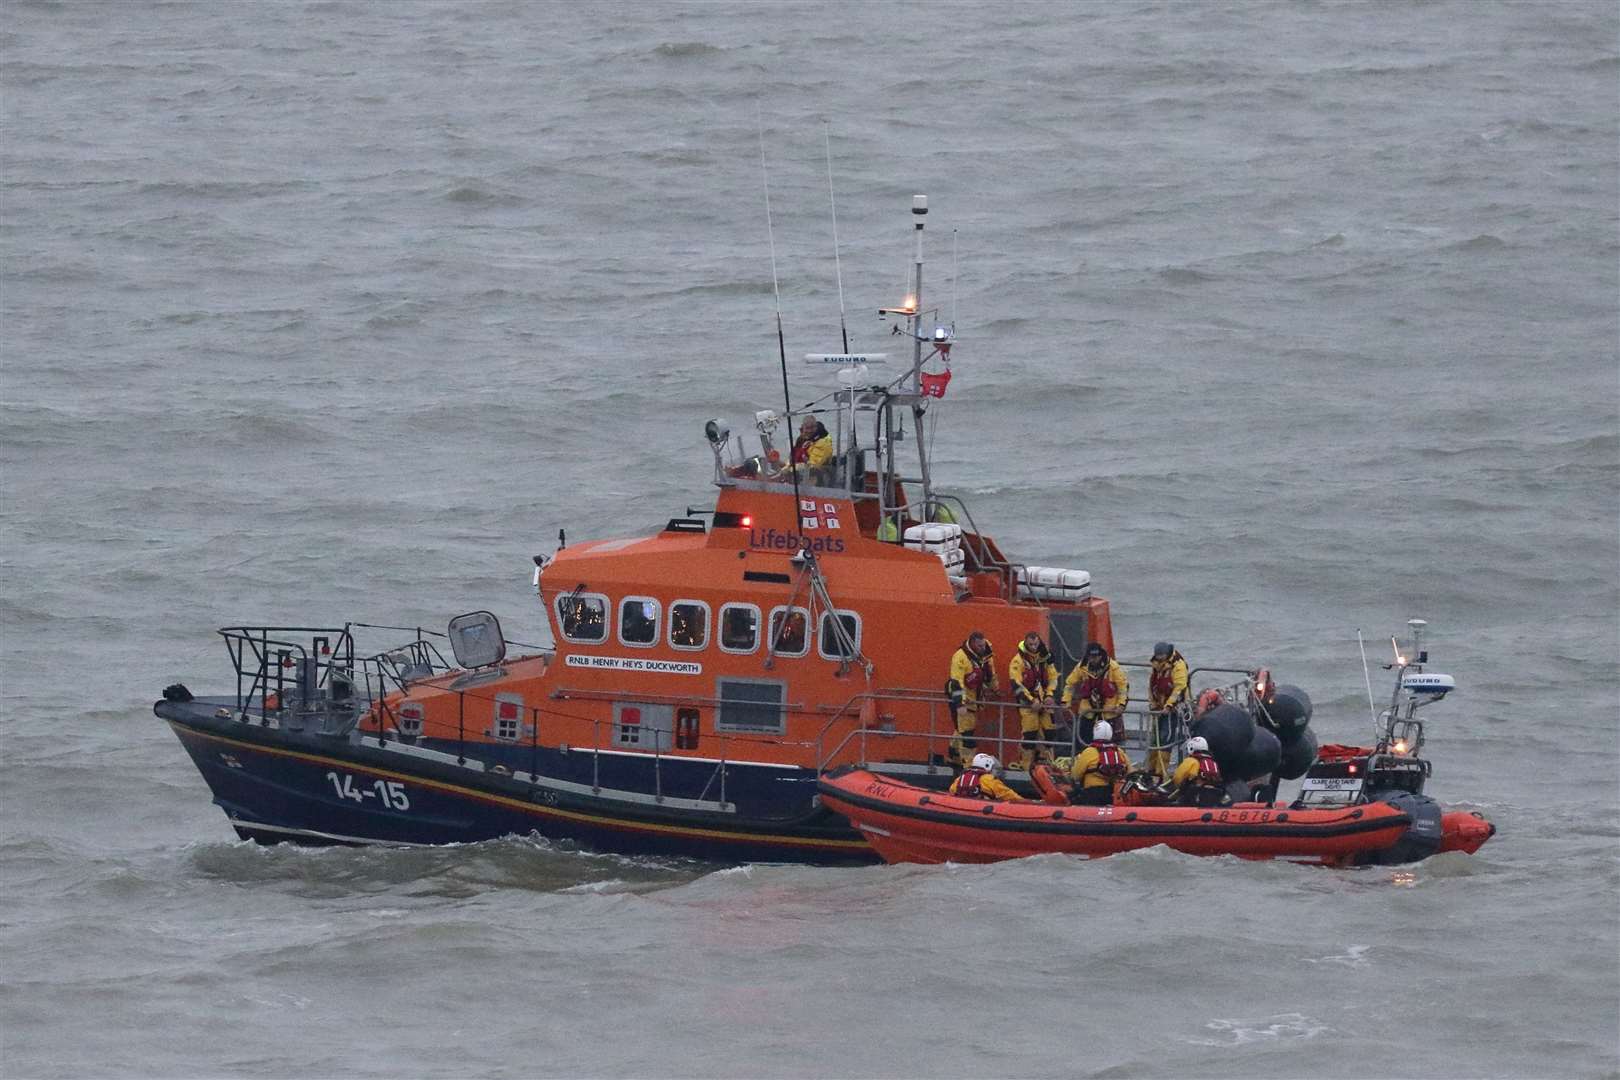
x=790, y=631
x=638, y=620
x=752, y=705
x=689, y=624
x=582, y=617
x=739, y=628
x=831, y=647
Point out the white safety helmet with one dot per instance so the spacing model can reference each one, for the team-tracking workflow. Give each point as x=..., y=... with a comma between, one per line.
x=986, y=762
x=1197, y=745
x=1103, y=732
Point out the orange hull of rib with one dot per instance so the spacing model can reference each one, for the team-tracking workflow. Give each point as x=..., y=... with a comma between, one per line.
x=911, y=824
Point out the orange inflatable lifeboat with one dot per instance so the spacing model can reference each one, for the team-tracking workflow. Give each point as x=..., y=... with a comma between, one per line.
x=904, y=823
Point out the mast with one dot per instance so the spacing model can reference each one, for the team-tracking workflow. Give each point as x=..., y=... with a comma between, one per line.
x=919, y=209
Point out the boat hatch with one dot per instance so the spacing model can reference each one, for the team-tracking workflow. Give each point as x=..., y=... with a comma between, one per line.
x=642, y=726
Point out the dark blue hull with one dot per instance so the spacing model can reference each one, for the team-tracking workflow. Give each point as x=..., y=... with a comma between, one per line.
x=277, y=785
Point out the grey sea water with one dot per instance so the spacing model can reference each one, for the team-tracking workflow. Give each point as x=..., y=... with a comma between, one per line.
x=1282, y=320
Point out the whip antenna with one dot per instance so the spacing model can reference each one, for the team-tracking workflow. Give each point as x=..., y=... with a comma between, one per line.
x=781, y=344
x=838, y=266
x=1367, y=675
x=954, y=275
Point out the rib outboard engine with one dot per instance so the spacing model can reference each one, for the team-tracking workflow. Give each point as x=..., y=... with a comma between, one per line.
x=1421, y=839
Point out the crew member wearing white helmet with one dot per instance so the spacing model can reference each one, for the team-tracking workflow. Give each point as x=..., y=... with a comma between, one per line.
x=979, y=781
x=1099, y=768
x=1197, y=781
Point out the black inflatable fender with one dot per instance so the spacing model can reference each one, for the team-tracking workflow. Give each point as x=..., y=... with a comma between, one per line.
x=1289, y=711
x=1297, y=756
x=1261, y=757
x=1228, y=729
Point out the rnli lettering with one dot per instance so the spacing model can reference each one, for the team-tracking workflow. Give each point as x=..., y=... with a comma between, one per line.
x=771, y=540
x=634, y=663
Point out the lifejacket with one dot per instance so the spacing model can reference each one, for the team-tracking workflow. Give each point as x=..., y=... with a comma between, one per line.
x=1161, y=681
x=1209, y=773
x=980, y=673
x=1110, y=761
x=1033, y=678
x=967, y=785
x=1096, y=688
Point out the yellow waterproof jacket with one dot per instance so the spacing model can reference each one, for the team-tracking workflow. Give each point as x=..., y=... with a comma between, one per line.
x=1187, y=772
x=964, y=664
x=1081, y=682
x=1084, y=771
x=1032, y=676
x=989, y=787
x=1167, y=682
x=818, y=453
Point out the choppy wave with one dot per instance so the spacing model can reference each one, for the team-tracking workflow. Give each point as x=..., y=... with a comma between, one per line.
x=1280, y=323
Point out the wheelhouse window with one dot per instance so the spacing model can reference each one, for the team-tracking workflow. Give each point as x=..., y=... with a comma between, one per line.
x=739, y=628
x=638, y=621
x=751, y=705
x=831, y=647
x=582, y=617
x=689, y=624
x=790, y=631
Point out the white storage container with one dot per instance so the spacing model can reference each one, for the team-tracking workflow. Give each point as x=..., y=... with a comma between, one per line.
x=1052, y=583
x=933, y=534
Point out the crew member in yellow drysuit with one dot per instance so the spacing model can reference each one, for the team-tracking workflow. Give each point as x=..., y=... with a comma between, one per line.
x=972, y=677
x=1033, y=678
x=978, y=781
x=1096, y=690
x=1099, y=768
x=1167, y=689
x=1197, y=781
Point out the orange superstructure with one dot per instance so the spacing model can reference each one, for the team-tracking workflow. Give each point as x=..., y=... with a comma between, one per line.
x=682, y=618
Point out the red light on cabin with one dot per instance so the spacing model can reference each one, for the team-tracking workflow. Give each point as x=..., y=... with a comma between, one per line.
x=747, y=521
x=1352, y=770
